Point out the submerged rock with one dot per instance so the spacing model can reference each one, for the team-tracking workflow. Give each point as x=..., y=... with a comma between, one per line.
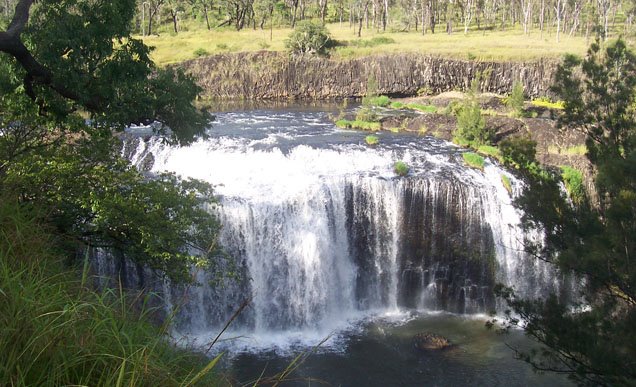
x=430, y=341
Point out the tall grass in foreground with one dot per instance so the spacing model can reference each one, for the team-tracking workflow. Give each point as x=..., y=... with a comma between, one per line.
x=56, y=331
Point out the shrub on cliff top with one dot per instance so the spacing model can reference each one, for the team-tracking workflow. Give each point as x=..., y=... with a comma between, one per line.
x=309, y=38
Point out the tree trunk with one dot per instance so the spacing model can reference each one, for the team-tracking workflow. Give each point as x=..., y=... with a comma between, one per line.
x=293, y=15
x=431, y=15
x=271, y=23
x=542, y=17
x=526, y=6
x=603, y=12
x=207, y=19
x=151, y=15
x=423, y=15
x=173, y=14
x=558, y=13
x=361, y=17
x=385, y=15
x=468, y=15
x=323, y=11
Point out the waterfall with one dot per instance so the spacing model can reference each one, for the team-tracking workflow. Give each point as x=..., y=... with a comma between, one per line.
x=323, y=231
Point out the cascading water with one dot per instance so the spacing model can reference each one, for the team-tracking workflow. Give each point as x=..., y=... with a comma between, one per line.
x=324, y=232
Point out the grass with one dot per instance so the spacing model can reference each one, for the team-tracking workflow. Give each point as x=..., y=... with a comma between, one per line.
x=576, y=150
x=547, y=103
x=489, y=150
x=373, y=42
x=495, y=45
x=401, y=168
x=573, y=180
x=58, y=331
x=490, y=112
x=413, y=106
x=381, y=101
x=397, y=105
x=461, y=141
x=372, y=140
x=473, y=160
x=505, y=180
x=422, y=108
x=367, y=113
x=358, y=124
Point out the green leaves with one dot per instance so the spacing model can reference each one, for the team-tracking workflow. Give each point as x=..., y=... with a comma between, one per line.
x=514, y=102
x=90, y=78
x=95, y=197
x=308, y=38
x=85, y=60
x=602, y=103
x=471, y=125
x=595, y=341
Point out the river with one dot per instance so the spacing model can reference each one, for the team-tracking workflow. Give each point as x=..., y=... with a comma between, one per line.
x=334, y=248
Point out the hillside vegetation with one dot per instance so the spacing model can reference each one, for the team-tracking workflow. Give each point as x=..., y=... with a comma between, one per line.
x=482, y=45
x=461, y=29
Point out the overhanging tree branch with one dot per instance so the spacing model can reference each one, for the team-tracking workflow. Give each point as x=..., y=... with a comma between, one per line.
x=20, y=18
x=11, y=43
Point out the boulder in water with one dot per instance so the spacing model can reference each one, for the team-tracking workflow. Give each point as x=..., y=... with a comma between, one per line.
x=430, y=341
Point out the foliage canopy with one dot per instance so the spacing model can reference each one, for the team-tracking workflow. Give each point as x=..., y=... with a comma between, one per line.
x=309, y=38
x=471, y=125
x=594, y=341
x=71, y=77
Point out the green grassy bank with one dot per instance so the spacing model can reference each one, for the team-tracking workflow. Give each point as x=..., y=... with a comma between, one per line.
x=56, y=330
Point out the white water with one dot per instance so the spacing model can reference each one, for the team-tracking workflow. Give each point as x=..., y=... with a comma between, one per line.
x=326, y=233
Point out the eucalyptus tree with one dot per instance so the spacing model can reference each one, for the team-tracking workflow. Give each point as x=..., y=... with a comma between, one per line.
x=154, y=8
x=204, y=6
x=63, y=61
x=263, y=11
x=603, y=8
x=527, y=7
x=174, y=8
x=429, y=8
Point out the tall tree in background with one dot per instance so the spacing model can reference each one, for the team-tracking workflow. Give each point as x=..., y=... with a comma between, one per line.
x=594, y=342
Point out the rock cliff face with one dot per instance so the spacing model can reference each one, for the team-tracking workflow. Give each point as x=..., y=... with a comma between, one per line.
x=275, y=75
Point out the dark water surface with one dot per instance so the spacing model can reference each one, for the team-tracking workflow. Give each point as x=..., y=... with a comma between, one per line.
x=380, y=352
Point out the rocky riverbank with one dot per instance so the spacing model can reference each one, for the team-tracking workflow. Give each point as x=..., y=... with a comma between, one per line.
x=555, y=147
